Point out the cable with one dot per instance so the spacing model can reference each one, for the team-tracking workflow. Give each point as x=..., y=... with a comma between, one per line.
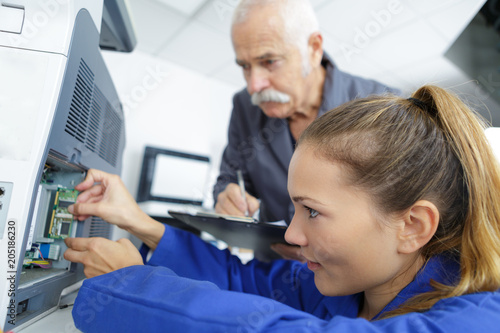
x=41, y=255
x=41, y=263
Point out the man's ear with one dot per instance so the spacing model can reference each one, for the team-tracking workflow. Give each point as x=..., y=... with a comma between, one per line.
x=419, y=225
x=315, y=44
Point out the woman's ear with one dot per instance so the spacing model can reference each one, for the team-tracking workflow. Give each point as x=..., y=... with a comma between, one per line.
x=419, y=225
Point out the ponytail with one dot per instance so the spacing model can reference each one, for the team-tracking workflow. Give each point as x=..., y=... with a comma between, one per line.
x=480, y=240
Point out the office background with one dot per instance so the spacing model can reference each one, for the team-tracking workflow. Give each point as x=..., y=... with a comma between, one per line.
x=177, y=86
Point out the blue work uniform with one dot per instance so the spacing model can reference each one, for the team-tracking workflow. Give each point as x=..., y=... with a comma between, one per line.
x=179, y=290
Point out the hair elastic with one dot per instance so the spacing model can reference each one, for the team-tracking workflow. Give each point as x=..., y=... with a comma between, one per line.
x=424, y=106
x=418, y=103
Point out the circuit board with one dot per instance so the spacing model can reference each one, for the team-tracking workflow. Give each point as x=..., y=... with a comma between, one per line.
x=62, y=220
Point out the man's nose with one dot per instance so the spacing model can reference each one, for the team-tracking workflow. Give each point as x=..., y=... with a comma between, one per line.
x=257, y=81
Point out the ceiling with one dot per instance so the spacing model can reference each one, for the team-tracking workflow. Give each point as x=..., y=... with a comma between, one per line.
x=396, y=42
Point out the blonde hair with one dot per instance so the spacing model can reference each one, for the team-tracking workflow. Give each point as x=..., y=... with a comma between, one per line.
x=433, y=147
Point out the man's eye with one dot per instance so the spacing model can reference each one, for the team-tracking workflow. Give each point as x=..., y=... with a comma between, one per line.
x=244, y=66
x=312, y=213
x=270, y=63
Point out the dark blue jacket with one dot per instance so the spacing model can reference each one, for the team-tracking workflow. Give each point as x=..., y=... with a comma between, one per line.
x=262, y=147
x=214, y=292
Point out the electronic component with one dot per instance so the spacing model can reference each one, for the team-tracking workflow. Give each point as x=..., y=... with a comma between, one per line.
x=50, y=251
x=53, y=221
x=39, y=253
x=61, y=220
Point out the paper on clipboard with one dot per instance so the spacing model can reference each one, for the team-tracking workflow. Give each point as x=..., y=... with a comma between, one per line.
x=228, y=217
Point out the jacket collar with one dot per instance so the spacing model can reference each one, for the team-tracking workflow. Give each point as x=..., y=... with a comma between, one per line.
x=444, y=269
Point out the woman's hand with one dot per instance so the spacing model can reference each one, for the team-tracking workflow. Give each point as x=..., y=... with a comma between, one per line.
x=104, y=195
x=100, y=255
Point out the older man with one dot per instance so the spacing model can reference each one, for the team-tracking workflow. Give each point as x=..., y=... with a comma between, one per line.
x=290, y=82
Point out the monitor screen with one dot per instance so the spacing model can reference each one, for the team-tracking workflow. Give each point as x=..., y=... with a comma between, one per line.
x=173, y=176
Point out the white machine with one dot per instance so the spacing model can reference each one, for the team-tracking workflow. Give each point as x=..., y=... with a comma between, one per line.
x=59, y=116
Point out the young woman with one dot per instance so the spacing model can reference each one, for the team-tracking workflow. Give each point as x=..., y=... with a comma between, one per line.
x=397, y=211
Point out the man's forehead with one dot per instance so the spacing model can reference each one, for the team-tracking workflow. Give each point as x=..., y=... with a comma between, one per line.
x=259, y=26
x=258, y=44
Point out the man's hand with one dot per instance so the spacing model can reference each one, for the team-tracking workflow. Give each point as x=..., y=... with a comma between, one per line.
x=289, y=252
x=230, y=202
x=100, y=255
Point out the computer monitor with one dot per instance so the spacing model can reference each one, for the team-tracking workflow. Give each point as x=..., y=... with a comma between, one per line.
x=171, y=176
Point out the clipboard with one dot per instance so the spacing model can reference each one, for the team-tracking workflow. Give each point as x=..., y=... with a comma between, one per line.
x=236, y=231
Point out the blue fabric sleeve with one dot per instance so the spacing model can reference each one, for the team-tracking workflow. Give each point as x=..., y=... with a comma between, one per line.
x=155, y=299
x=188, y=256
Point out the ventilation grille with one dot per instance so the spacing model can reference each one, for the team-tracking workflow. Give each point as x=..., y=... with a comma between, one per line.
x=99, y=228
x=92, y=119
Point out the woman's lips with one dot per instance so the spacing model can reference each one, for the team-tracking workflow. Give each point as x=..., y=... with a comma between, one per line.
x=313, y=265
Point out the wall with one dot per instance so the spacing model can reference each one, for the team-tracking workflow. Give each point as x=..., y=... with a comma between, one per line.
x=171, y=107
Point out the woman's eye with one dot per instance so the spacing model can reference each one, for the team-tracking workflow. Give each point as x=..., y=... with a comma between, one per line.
x=312, y=213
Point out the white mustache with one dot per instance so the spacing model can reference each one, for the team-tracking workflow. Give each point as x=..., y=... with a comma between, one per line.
x=270, y=95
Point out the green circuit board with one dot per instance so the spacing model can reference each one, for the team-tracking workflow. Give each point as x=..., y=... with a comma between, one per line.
x=62, y=220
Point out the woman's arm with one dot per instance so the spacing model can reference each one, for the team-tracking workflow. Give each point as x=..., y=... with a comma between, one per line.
x=154, y=299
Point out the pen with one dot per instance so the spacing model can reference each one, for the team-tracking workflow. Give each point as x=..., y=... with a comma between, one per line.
x=241, y=184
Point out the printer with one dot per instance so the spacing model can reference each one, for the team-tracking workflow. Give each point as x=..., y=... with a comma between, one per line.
x=60, y=115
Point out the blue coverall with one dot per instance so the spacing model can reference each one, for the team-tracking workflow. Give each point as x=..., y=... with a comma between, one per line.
x=191, y=286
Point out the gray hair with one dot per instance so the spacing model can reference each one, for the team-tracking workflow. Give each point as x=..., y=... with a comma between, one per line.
x=298, y=18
